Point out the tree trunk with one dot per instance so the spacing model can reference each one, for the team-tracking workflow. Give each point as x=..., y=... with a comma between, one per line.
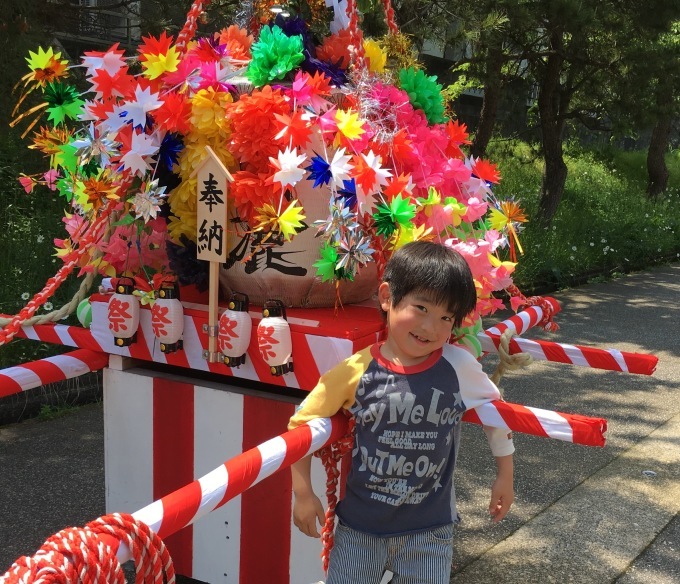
x=492, y=94
x=551, y=102
x=657, y=171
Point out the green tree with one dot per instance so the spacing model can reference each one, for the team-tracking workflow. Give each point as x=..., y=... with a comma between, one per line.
x=665, y=89
x=574, y=51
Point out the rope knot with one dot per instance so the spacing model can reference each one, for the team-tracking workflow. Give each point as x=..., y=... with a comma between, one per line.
x=508, y=362
x=331, y=456
x=546, y=323
x=87, y=555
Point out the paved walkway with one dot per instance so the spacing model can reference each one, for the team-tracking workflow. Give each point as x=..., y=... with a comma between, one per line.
x=582, y=515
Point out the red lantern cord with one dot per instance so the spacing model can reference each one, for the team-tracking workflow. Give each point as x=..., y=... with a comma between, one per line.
x=189, y=30
x=356, y=35
x=389, y=17
x=9, y=332
x=355, y=31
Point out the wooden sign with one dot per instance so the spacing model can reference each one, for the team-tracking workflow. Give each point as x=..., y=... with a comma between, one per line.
x=211, y=208
x=212, y=189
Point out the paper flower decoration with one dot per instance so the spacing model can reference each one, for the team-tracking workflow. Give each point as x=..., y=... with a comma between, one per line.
x=319, y=171
x=385, y=166
x=287, y=223
x=375, y=56
x=424, y=93
x=62, y=102
x=157, y=56
x=288, y=171
x=388, y=217
x=146, y=203
x=349, y=124
x=274, y=55
x=325, y=266
x=335, y=48
x=46, y=67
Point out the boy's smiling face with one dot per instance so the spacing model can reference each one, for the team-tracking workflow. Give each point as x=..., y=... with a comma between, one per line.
x=416, y=327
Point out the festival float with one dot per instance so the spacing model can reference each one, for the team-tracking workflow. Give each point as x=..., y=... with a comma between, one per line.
x=233, y=199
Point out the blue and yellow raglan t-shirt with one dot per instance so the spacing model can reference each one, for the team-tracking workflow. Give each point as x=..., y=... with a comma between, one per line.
x=407, y=435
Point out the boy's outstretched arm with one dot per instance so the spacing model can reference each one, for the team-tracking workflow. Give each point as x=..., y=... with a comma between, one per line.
x=307, y=507
x=502, y=490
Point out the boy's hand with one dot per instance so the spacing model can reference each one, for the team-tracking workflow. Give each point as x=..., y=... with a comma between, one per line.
x=307, y=510
x=502, y=497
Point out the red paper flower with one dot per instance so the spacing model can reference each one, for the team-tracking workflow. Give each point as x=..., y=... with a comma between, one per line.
x=485, y=170
x=336, y=48
x=294, y=130
x=238, y=42
x=174, y=114
x=154, y=46
x=107, y=86
x=251, y=191
x=458, y=135
x=254, y=126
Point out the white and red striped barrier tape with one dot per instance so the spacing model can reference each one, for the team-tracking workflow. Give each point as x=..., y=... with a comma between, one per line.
x=49, y=370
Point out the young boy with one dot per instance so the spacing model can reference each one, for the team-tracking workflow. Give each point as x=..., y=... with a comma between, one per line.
x=407, y=396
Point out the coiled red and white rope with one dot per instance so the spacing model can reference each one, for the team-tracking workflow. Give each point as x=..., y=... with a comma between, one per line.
x=87, y=555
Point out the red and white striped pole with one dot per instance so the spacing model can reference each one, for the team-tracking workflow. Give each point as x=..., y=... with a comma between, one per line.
x=188, y=504
x=525, y=319
x=609, y=359
x=195, y=500
x=574, y=428
x=58, y=368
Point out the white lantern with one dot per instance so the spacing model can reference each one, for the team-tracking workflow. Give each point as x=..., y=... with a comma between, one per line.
x=273, y=338
x=233, y=333
x=167, y=318
x=123, y=313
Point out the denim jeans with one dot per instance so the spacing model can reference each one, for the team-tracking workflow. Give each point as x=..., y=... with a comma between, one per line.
x=417, y=558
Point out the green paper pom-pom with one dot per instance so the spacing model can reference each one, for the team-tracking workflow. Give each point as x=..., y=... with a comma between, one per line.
x=424, y=93
x=467, y=337
x=84, y=313
x=274, y=55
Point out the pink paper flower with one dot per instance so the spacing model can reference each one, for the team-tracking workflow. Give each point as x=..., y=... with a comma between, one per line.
x=28, y=183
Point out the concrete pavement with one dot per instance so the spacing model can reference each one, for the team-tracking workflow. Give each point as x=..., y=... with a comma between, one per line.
x=582, y=515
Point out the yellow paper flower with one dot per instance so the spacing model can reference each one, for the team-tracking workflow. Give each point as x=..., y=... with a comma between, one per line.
x=349, y=124
x=509, y=211
x=156, y=65
x=46, y=66
x=208, y=115
x=182, y=226
x=287, y=224
x=405, y=235
x=375, y=55
x=497, y=263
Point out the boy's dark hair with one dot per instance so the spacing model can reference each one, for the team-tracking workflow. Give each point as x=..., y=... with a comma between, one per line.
x=439, y=272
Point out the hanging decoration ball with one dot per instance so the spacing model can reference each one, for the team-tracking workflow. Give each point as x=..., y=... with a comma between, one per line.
x=123, y=313
x=234, y=330
x=274, y=339
x=167, y=318
x=467, y=337
x=84, y=313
